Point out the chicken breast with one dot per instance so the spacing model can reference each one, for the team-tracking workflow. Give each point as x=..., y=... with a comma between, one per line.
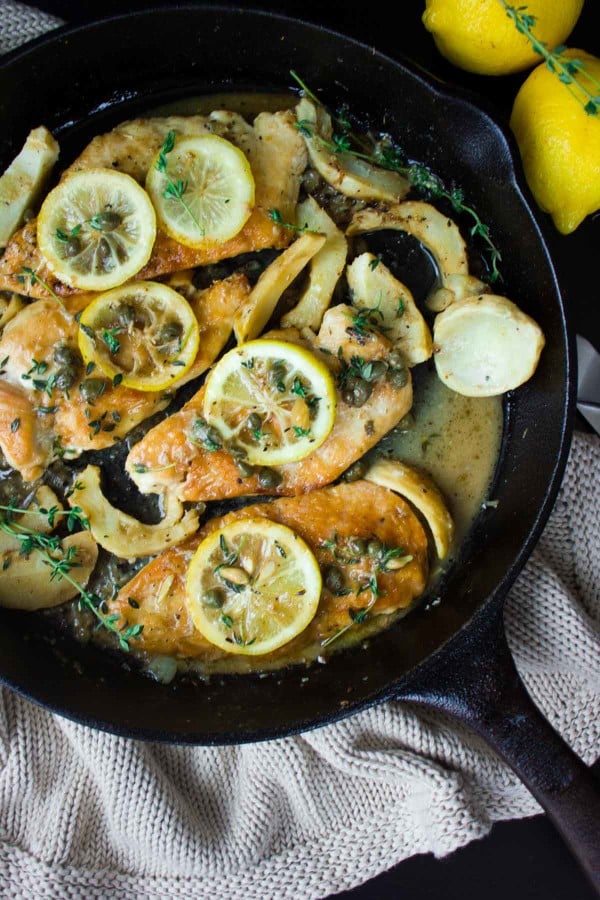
x=277, y=156
x=167, y=459
x=155, y=597
x=41, y=420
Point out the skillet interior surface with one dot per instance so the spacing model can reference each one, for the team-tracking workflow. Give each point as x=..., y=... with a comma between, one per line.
x=80, y=82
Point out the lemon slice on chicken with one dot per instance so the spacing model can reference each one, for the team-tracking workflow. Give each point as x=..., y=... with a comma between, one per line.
x=252, y=586
x=144, y=335
x=273, y=400
x=202, y=189
x=96, y=229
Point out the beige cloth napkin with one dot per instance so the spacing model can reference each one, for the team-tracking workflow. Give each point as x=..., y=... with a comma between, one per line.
x=88, y=815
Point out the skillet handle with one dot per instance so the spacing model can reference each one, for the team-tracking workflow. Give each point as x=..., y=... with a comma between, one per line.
x=475, y=680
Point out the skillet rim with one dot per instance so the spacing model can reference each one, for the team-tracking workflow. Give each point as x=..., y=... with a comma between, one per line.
x=483, y=109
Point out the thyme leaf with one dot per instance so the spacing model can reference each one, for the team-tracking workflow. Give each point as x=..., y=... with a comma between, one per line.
x=174, y=189
x=275, y=216
x=567, y=70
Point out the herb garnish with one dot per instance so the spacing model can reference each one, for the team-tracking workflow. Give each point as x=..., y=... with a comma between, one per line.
x=141, y=469
x=110, y=339
x=420, y=176
x=350, y=551
x=33, y=278
x=275, y=216
x=565, y=69
x=366, y=317
x=174, y=189
x=60, y=561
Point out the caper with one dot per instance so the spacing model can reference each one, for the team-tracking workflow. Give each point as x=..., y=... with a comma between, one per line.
x=406, y=422
x=206, y=434
x=374, y=547
x=398, y=377
x=170, y=332
x=104, y=253
x=213, y=598
x=66, y=378
x=356, y=392
x=356, y=471
x=200, y=430
x=375, y=370
x=395, y=359
x=269, y=478
x=125, y=314
x=276, y=374
x=28, y=215
x=92, y=388
x=244, y=468
x=253, y=269
x=333, y=579
x=311, y=181
x=66, y=356
x=72, y=247
x=108, y=220
x=357, y=546
x=254, y=421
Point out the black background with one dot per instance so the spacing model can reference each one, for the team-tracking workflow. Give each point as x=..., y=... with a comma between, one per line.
x=521, y=859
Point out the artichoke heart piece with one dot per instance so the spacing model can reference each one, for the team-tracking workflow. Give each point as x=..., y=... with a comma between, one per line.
x=485, y=346
x=348, y=174
x=120, y=533
x=251, y=318
x=372, y=285
x=45, y=498
x=420, y=490
x=441, y=238
x=26, y=584
x=326, y=267
x=20, y=185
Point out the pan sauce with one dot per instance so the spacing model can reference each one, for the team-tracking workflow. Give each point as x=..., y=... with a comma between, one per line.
x=454, y=438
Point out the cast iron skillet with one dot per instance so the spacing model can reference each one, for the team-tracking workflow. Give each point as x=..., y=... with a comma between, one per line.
x=81, y=81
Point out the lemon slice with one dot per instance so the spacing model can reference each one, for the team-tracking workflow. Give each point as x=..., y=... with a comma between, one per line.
x=252, y=586
x=273, y=400
x=96, y=229
x=202, y=189
x=144, y=335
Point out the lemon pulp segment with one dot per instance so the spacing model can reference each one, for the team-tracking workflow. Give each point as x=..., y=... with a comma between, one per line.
x=252, y=586
x=274, y=400
x=96, y=229
x=202, y=190
x=144, y=335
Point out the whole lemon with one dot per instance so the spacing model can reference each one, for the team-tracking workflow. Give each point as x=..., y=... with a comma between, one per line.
x=559, y=142
x=477, y=35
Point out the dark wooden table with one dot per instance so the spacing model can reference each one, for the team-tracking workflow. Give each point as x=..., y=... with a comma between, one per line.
x=522, y=859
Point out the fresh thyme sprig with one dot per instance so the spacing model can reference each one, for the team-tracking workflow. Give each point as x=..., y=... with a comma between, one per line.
x=174, y=189
x=420, y=176
x=50, y=549
x=94, y=222
x=275, y=216
x=560, y=65
x=357, y=616
x=33, y=277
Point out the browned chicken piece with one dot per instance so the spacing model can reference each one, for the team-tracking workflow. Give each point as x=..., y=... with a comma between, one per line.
x=41, y=419
x=277, y=156
x=167, y=458
x=360, y=509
